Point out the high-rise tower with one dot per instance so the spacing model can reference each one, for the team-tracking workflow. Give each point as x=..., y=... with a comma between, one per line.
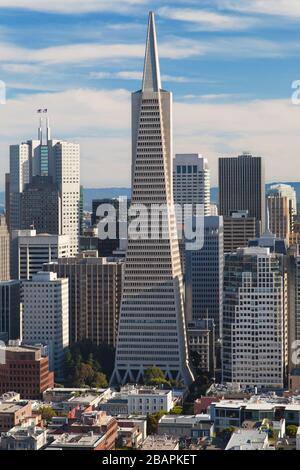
x=242, y=187
x=152, y=330
x=45, y=170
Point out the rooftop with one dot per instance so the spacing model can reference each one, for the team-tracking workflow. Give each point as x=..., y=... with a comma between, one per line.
x=21, y=432
x=12, y=407
x=247, y=439
x=133, y=390
x=184, y=419
x=77, y=440
x=155, y=442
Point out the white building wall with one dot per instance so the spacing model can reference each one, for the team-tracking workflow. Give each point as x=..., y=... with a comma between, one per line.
x=46, y=315
x=191, y=181
x=258, y=332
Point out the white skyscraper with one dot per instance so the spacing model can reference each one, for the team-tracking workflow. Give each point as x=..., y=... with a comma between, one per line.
x=255, y=320
x=152, y=330
x=66, y=175
x=57, y=163
x=31, y=250
x=191, y=181
x=46, y=315
x=21, y=157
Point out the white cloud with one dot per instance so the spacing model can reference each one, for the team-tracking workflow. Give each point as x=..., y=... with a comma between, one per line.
x=208, y=20
x=80, y=53
x=100, y=121
x=267, y=127
x=287, y=8
x=19, y=68
x=123, y=75
x=73, y=7
x=136, y=75
x=211, y=96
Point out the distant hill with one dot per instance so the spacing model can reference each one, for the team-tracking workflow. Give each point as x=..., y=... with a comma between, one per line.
x=214, y=192
x=102, y=193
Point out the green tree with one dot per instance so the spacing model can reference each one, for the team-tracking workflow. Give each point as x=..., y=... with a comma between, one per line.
x=291, y=430
x=155, y=376
x=47, y=413
x=152, y=421
x=176, y=410
x=99, y=380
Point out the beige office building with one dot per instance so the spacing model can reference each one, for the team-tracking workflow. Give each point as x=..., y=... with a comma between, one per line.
x=239, y=228
x=95, y=286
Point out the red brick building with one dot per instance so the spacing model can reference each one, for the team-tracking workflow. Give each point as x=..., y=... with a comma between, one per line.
x=25, y=371
x=201, y=404
x=97, y=422
x=14, y=414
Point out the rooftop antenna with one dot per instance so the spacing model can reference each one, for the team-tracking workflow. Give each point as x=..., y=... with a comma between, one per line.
x=40, y=129
x=48, y=129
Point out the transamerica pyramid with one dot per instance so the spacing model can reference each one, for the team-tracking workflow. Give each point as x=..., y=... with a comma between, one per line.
x=152, y=330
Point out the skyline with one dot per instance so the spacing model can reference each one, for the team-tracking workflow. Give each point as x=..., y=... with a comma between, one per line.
x=223, y=59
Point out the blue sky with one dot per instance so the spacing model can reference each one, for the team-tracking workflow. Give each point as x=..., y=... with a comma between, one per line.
x=229, y=63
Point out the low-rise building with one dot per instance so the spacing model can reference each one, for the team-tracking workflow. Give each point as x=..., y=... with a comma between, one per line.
x=158, y=443
x=248, y=439
x=13, y=414
x=88, y=441
x=139, y=400
x=24, y=438
x=10, y=396
x=26, y=371
x=188, y=426
x=233, y=413
x=130, y=433
x=115, y=406
x=201, y=404
x=96, y=422
x=92, y=396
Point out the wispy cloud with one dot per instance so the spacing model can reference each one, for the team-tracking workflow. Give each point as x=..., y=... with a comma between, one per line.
x=211, y=96
x=136, y=75
x=208, y=20
x=80, y=53
x=286, y=8
x=73, y=7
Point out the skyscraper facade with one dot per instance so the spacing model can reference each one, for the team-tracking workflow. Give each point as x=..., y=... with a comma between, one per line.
x=204, y=275
x=239, y=228
x=66, y=175
x=191, y=181
x=242, y=186
x=46, y=316
x=281, y=209
x=152, y=329
x=95, y=287
x=10, y=319
x=4, y=250
x=31, y=250
x=41, y=206
x=255, y=320
x=55, y=163
x=21, y=158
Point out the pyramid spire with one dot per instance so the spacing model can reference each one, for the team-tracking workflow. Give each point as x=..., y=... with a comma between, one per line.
x=151, y=76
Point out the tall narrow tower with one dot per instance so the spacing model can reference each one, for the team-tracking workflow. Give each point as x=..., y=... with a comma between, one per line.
x=152, y=329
